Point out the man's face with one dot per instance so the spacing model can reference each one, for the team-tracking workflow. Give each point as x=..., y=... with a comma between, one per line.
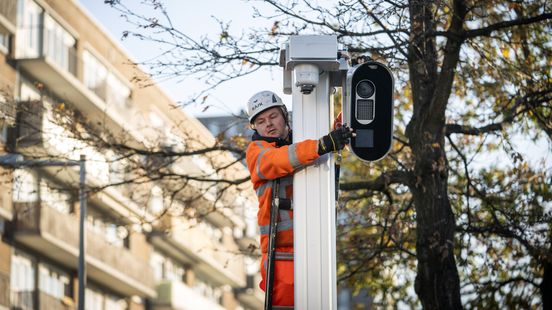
x=271, y=123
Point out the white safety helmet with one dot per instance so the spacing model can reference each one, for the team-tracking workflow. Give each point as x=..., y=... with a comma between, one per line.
x=264, y=100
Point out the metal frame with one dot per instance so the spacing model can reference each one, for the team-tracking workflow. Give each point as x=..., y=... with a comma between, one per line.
x=314, y=206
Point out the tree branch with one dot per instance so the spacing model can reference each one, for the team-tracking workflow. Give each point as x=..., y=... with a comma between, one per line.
x=530, y=102
x=380, y=183
x=486, y=31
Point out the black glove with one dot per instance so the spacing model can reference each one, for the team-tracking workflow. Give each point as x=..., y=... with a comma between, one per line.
x=335, y=140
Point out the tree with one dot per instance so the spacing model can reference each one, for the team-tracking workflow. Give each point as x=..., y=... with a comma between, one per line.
x=470, y=76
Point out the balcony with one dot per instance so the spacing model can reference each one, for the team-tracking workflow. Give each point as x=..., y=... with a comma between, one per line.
x=58, y=75
x=55, y=235
x=177, y=295
x=40, y=134
x=223, y=264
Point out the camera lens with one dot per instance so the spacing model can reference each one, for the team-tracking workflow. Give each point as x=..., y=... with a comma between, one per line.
x=365, y=89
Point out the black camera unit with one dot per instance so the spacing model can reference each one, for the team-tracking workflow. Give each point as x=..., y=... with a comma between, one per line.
x=368, y=109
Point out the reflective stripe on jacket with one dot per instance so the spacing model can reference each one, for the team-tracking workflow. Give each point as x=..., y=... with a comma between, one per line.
x=267, y=162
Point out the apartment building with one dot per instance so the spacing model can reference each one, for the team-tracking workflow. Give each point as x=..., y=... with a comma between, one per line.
x=66, y=89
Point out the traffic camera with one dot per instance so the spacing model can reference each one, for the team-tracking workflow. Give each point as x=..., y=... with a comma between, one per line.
x=307, y=56
x=368, y=109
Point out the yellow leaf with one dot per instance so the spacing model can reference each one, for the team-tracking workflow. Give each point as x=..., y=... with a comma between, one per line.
x=505, y=52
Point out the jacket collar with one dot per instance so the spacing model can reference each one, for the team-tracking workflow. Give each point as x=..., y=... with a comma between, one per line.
x=279, y=142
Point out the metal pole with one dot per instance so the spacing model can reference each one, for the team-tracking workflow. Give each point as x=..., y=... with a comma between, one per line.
x=314, y=205
x=82, y=235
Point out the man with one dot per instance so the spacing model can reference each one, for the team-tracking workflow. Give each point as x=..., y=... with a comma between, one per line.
x=272, y=159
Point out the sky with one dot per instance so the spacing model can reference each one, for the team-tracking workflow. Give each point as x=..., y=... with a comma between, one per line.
x=195, y=19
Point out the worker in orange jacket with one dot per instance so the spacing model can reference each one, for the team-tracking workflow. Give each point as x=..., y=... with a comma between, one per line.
x=271, y=155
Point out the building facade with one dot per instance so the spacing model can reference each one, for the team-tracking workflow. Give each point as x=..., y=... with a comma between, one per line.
x=67, y=89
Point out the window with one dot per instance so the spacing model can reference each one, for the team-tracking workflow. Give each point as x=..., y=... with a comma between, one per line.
x=156, y=263
x=117, y=92
x=155, y=204
x=210, y=292
x=29, y=27
x=95, y=75
x=7, y=114
x=165, y=268
x=97, y=299
x=53, y=282
x=214, y=233
x=38, y=34
x=104, y=83
x=22, y=281
x=59, y=44
x=4, y=42
x=115, y=303
x=112, y=232
x=173, y=271
x=93, y=299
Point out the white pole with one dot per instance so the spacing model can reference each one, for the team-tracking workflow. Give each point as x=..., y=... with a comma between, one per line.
x=314, y=205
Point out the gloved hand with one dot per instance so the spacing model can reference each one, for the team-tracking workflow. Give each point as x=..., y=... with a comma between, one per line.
x=335, y=140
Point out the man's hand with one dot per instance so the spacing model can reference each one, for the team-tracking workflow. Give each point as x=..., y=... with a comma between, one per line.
x=335, y=140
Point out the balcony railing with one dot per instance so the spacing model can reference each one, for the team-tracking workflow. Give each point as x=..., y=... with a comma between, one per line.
x=55, y=234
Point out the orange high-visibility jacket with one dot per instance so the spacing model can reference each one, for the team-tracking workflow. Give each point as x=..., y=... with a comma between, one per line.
x=266, y=162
